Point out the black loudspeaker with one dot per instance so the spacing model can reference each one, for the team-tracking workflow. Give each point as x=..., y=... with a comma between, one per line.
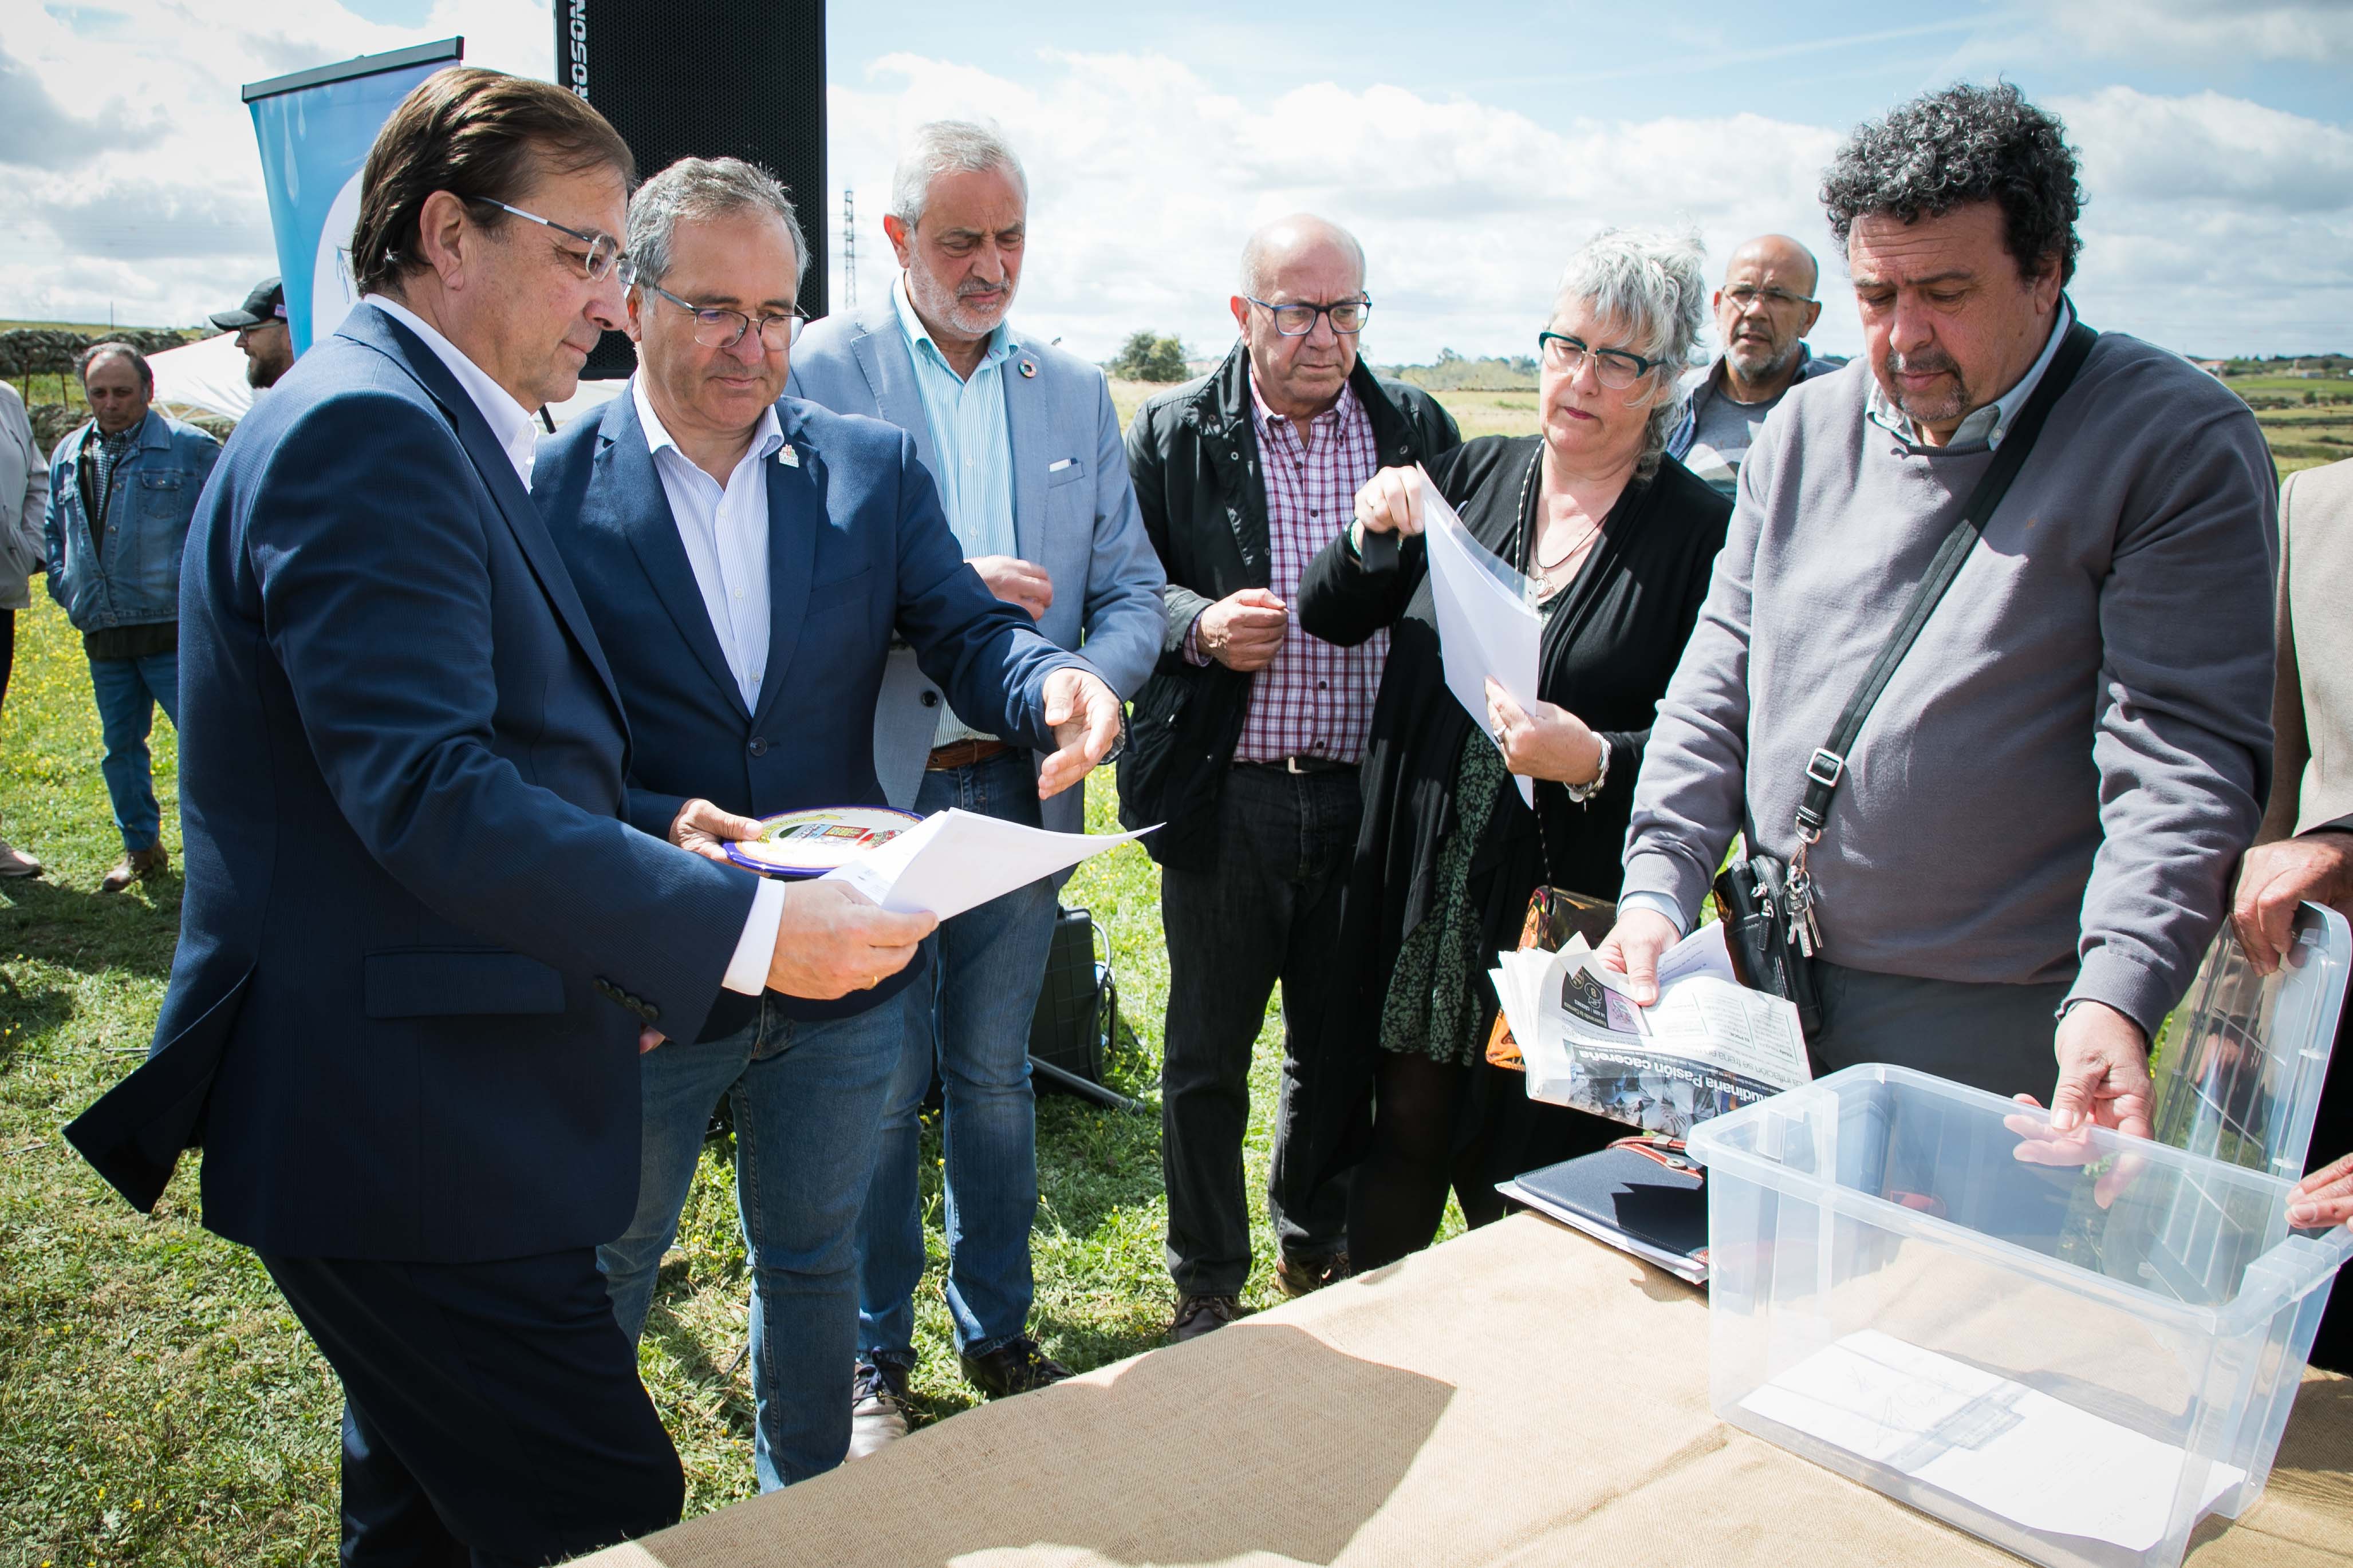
x=707, y=79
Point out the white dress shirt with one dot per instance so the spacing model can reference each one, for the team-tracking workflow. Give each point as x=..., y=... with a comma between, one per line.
x=510, y=423
x=725, y=531
x=510, y=426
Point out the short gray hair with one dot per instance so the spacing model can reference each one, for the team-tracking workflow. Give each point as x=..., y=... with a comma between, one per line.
x=947, y=147
x=705, y=188
x=1652, y=286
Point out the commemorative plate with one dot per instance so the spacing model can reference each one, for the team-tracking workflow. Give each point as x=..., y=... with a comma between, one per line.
x=812, y=842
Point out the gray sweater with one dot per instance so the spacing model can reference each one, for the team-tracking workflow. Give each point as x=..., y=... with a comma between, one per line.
x=2060, y=776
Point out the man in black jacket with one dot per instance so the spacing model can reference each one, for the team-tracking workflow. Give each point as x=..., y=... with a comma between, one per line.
x=1246, y=740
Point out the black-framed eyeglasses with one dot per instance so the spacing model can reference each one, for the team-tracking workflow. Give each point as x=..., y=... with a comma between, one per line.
x=718, y=327
x=1616, y=369
x=603, y=251
x=1744, y=295
x=1298, y=319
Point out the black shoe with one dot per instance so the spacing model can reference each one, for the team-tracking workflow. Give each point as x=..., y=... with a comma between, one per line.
x=1015, y=1367
x=1198, y=1315
x=1299, y=1274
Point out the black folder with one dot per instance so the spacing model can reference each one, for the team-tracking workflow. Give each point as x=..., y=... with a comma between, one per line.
x=1629, y=1199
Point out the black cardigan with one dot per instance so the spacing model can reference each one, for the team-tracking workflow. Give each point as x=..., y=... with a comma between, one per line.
x=1608, y=652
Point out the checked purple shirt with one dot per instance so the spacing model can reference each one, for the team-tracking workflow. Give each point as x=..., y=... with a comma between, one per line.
x=1316, y=700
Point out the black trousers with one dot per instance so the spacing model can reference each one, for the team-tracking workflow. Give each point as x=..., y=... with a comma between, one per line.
x=1268, y=911
x=493, y=1414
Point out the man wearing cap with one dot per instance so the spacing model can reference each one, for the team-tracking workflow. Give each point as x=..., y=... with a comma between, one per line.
x=261, y=331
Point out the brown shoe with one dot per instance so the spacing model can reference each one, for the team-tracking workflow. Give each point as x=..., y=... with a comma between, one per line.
x=1198, y=1315
x=1299, y=1274
x=15, y=862
x=136, y=866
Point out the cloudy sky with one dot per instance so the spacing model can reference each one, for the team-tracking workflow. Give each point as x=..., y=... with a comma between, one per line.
x=1471, y=156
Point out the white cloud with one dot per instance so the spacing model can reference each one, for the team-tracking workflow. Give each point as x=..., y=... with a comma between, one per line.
x=138, y=186
x=1144, y=180
x=2214, y=224
x=2201, y=31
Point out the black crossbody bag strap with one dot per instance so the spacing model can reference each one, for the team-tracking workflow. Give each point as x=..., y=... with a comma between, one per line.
x=1828, y=766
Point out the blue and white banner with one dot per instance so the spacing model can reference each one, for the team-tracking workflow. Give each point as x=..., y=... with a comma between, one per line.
x=315, y=128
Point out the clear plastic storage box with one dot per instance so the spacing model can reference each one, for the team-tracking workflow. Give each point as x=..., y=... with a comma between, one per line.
x=2074, y=1347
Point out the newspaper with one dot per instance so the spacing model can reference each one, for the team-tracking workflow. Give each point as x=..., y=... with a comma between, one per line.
x=1709, y=1044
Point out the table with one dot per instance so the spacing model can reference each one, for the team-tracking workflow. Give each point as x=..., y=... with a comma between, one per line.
x=1521, y=1396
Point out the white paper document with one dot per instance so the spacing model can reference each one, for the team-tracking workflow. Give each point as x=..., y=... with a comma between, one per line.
x=1487, y=626
x=958, y=859
x=2012, y=1450
x=1707, y=1046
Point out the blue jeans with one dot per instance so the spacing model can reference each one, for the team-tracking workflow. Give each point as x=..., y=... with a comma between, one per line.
x=128, y=691
x=987, y=965
x=807, y=1097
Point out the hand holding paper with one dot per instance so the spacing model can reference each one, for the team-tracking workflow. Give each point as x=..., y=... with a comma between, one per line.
x=957, y=861
x=1486, y=628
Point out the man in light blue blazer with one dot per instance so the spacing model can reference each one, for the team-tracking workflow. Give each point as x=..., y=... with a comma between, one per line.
x=1025, y=446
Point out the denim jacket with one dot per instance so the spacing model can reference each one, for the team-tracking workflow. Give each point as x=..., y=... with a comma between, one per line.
x=1809, y=364
x=134, y=578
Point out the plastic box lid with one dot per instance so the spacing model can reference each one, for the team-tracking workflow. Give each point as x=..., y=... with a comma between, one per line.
x=2240, y=1063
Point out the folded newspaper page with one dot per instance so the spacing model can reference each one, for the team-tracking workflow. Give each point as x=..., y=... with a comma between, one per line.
x=1709, y=1044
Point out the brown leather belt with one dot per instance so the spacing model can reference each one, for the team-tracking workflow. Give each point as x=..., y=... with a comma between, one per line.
x=963, y=754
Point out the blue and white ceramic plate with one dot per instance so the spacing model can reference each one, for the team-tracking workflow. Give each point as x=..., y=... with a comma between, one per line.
x=812, y=842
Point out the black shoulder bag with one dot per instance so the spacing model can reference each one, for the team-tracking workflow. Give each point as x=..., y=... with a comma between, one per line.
x=1766, y=903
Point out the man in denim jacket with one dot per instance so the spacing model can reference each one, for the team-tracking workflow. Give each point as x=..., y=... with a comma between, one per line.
x=122, y=491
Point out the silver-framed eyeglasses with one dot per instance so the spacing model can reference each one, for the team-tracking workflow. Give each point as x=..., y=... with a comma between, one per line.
x=1744, y=295
x=603, y=251
x=1297, y=319
x=718, y=327
x=1616, y=369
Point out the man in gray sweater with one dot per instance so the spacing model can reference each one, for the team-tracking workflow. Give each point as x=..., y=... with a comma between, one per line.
x=2040, y=814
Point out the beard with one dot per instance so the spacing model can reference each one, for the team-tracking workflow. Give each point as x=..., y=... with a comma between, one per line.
x=260, y=373
x=1945, y=402
x=957, y=309
x=1759, y=360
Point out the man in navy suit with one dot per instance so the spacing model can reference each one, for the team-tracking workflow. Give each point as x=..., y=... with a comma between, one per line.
x=419, y=943
x=745, y=558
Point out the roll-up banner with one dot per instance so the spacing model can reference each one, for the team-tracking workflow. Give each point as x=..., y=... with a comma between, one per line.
x=315, y=128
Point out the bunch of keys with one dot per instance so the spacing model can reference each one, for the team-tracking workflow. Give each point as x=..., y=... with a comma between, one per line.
x=1800, y=895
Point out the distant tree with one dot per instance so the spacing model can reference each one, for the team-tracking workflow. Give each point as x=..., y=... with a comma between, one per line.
x=1145, y=356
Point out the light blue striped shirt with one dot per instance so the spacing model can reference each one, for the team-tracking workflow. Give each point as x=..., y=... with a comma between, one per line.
x=972, y=450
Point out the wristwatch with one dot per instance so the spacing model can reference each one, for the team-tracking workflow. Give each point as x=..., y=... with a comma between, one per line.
x=1587, y=790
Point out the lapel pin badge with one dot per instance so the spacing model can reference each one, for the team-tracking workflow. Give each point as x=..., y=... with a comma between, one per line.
x=789, y=455
x=1029, y=368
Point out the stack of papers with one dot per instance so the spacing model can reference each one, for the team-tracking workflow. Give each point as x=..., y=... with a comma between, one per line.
x=1487, y=621
x=2013, y=1451
x=1709, y=1044
x=958, y=859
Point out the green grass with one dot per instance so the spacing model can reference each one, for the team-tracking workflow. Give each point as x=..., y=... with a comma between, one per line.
x=159, y=1405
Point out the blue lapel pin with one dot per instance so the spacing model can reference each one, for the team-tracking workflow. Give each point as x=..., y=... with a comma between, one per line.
x=1029, y=368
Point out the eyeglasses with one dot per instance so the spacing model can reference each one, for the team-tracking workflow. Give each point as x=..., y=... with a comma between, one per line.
x=720, y=329
x=603, y=250
x=1296, y=320
x=1616, y=369
x=1744, y=295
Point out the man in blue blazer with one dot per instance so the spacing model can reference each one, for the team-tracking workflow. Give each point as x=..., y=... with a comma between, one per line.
x=745, y=560
x=419, y=944
x=1024, y=444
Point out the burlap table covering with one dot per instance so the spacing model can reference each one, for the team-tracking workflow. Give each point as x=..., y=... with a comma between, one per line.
x=1521, y=1396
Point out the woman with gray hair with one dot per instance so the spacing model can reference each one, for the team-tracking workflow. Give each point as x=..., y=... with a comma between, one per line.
x=1615, y=540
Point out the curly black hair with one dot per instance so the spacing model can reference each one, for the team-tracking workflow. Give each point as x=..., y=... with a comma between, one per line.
x=1965, y=145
